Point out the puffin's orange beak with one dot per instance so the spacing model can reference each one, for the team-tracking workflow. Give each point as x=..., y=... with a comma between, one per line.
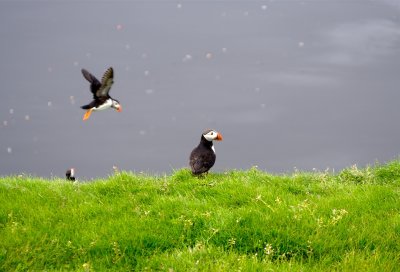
x=219, y=137
x=119, y=109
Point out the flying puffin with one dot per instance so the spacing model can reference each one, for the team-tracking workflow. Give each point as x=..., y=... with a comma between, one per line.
x=70, y=174
x=102, y=100
x=202, y=158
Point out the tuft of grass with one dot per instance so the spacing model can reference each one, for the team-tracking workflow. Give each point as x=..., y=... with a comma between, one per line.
x=238, y=220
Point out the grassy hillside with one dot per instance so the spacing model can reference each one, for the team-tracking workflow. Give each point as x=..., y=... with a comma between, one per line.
x=236, y=221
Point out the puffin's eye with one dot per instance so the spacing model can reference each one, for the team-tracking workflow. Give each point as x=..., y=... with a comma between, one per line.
x=212, y=133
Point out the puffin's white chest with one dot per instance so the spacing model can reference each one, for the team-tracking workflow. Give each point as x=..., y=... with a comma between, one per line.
x=104, y=106
x=213, y=148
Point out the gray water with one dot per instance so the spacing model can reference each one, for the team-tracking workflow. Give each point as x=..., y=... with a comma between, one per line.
x=289, y=84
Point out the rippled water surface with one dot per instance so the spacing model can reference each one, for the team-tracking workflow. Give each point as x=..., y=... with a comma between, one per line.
x=305, y=84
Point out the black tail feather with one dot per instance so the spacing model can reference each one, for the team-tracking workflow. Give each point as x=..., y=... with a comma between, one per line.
x=86, y=107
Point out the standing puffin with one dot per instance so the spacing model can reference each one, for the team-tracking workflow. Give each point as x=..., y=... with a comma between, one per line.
x=70, y=174
x=202, y=158
x=102, y=100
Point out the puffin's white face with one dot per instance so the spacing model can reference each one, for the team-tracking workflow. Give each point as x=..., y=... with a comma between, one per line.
x=212, y=135
x=116, y=105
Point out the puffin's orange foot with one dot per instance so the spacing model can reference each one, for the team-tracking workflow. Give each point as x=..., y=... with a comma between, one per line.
x=87, y=115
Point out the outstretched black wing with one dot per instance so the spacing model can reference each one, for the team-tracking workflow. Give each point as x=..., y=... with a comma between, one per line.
x=106, y=82
x=94, y=82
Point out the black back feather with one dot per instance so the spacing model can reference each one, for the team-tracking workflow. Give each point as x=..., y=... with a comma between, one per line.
x=202, y=158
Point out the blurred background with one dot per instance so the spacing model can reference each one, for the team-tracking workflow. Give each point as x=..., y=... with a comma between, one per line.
x=289, y=84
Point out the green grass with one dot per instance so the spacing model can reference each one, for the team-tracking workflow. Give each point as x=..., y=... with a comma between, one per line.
x=235, y=221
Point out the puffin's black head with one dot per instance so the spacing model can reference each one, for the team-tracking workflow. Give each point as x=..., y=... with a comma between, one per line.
x=70, y=174
x=211, y=135
x=116, y=105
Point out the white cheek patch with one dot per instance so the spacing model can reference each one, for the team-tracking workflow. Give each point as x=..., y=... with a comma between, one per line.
x=210, y=137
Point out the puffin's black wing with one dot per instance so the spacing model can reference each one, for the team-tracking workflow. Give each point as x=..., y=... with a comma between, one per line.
x=106, y=82
x=201, y=161
x=94, y=82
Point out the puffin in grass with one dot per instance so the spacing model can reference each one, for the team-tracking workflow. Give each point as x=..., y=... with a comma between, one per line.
x=70, y=174
x=202, y=158
x=101, y=98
